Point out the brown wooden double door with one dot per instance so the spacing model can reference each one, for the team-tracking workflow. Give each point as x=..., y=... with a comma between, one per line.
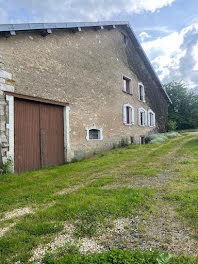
x=38, y=135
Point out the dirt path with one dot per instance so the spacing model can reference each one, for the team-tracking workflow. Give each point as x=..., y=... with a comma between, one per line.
x=157, y=228
x=162, y=229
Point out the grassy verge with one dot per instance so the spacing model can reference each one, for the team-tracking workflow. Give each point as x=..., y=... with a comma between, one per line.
x=119, y=257
x=38, y=187
x=188, y=130
x=86, y=208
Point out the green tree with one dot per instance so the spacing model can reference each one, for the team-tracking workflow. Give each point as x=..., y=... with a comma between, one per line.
x=184, y=108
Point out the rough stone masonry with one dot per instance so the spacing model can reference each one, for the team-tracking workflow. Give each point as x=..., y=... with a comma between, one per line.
x=6, y=82
x=84, y=69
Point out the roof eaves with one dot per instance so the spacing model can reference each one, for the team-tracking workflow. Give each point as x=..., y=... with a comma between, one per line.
x=42, y=26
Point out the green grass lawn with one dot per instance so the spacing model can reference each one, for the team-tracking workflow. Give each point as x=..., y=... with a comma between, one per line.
x=91, y=205
x=184, y=191
x=120, y=257
x=188, y=130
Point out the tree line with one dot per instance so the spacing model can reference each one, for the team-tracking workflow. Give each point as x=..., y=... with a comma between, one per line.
x=183, y=112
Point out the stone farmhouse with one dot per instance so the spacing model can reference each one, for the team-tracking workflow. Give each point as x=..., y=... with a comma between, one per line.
x=68, y=90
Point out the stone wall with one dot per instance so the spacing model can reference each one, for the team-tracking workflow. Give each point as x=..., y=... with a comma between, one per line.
x=6, y=84
x=85, y=69
x=156, y=98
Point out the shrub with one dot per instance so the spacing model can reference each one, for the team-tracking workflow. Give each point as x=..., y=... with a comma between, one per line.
x=115, y=146
x=172, y=125
x=171, y=134
x=156, y=138
x=156, y=141
x=159, y=138
x=6, y=167
x=124, y=142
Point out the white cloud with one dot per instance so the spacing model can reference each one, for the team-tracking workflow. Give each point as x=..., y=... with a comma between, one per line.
x=165, y=45
x=3, y=16
x=150, y=5
x=79, y=10
x=162, y=29
x=175, y=56
x=166, y=52
x=144, y=35
x=195, y=53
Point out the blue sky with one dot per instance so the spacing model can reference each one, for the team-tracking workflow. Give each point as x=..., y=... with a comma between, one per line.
x=167, y=29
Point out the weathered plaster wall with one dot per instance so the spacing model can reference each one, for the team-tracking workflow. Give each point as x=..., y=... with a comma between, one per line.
x=84, y=69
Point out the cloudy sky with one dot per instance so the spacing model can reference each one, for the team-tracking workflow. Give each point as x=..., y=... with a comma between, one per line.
x=167, y=29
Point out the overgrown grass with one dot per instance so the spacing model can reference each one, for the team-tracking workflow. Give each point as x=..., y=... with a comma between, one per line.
x=161, y=137
x=38, y=187
x=184, y=191
x=86, y=208
x=119, y=257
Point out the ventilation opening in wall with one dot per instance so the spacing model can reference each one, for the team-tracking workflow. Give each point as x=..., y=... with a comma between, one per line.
x=142, y=140
x=132, y=140
x=94, y=134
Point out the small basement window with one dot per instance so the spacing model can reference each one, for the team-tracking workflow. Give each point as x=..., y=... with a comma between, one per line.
x=94, y=133
x=142, y=140
x=141, y=95
x=126, y=85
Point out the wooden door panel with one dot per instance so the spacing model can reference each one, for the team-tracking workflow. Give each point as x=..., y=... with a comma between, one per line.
x=27, y=135
x=52, y=135
x=39, y=135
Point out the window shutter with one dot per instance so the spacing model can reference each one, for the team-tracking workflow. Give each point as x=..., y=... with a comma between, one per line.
x=124, y=114
x=139, y=119
x=138, y=92
x=124, y=85
x=149, y=119
x=153, y=119
x=131, y=87
x=132, y=116
x=143, y=93
x=145, y=118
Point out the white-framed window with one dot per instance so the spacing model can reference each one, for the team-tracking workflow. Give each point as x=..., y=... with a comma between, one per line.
x=151, y=118
x=94, y=133
x=142, y=117
x=127, y=85
x=128, y=114
x=141, y=94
